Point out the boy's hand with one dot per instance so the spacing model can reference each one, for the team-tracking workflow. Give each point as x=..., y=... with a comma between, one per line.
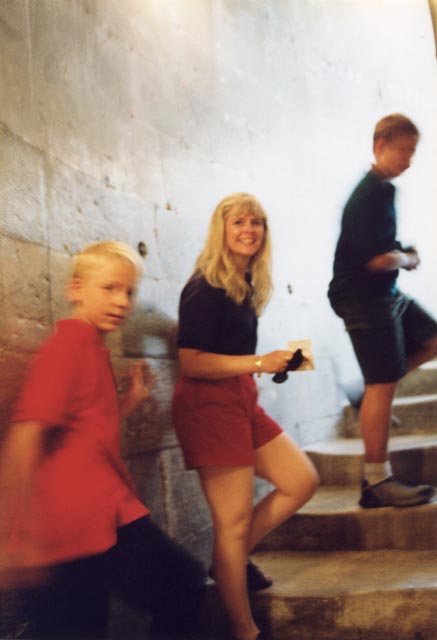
x=413, y=259
x=140, y=378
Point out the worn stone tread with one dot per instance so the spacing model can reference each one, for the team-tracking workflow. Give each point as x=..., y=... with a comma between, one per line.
x=344, y=499
x=333, y=520
x=419, y=382
x=416, y=414
x=354, y=446
x=367, y=595
x=340, y=461
x=321, y=574
x=345, y=595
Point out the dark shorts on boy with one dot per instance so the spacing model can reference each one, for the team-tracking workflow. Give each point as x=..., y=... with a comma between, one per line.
x=385, y=331
x=219, y=422
x=146, y=569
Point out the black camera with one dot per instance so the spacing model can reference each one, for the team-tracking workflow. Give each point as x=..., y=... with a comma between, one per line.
x=293, y=364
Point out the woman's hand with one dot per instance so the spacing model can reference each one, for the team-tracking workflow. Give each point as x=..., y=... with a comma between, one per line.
x=275, y=361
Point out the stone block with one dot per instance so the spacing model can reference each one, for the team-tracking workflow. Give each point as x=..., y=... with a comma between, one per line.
x=186, y=509
x=75, y=75
x=82, y=210
x=174, y=498
x=24, y=272
x=71, y=82
x=22, y=189
x=60, y=271
x=145, y=470
x=19, y=107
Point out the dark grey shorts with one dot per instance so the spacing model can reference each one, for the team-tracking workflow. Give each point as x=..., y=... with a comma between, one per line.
x=385, y=331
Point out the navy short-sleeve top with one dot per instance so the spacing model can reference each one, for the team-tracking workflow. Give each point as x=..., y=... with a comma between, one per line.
x=211, y=321
x=368, y=229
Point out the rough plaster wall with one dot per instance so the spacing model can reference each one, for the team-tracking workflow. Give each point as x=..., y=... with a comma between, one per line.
x=130, y=120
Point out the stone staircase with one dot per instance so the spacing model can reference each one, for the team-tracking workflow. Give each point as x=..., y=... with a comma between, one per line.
x=346, y=573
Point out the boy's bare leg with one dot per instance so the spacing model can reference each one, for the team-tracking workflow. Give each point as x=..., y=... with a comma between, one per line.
x=379, y=488
x=375, y=418
x=426, y=353
x=376, y=407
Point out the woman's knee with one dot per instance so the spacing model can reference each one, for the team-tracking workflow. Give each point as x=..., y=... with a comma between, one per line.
x=234, y=525
x=312, y=481
x=303, y=482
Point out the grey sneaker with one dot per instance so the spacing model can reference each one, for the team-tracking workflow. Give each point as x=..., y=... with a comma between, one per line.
x=393, y=493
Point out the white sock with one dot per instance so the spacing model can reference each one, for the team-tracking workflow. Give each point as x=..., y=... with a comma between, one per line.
x=375, y=472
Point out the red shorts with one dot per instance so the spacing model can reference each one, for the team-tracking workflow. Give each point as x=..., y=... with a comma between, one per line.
x=219, y=422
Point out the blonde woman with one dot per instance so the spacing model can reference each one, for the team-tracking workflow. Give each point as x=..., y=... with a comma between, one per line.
x=224, y=434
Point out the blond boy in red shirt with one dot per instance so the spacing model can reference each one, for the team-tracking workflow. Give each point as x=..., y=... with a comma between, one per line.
x=69, y=509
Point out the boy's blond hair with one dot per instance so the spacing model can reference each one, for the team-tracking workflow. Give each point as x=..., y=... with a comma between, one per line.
x=93, y=255
x=393, y=125
x=216, y=265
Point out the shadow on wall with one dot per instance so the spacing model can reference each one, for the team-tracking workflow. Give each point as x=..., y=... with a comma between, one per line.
x=150, y=335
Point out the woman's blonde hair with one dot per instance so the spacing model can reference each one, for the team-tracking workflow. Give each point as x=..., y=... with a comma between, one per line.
x=93, y=256
x=215, y=262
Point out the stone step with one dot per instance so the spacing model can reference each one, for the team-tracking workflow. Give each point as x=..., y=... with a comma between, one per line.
x=417, y=414
x=332, y=520
x=348, y=595
x=340, y=461
x=419, y=382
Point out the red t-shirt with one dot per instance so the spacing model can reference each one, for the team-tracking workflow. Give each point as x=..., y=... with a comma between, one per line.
x=81, y=492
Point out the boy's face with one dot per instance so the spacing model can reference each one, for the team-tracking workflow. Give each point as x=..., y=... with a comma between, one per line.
x=104, y=297
x=393, y=157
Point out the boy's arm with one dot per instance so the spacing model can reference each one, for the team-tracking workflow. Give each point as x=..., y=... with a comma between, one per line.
x=393, y=260
x=19, y=457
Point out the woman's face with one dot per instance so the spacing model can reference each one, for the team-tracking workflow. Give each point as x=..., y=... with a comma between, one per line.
x=244, y=235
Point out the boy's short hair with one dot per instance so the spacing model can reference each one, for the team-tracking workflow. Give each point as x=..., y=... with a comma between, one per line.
x=94, y=254
x=393, y=125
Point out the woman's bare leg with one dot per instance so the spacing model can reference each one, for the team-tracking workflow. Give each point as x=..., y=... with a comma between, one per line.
x=289, y=469
x=229, y=492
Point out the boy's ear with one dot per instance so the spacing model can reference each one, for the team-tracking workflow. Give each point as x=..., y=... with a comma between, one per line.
x=379, y=146
x=73, y=290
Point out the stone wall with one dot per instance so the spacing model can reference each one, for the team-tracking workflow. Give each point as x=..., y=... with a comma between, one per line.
x=131, y=120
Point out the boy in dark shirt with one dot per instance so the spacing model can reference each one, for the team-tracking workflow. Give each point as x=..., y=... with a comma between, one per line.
x=68, y=507
x=390, y=333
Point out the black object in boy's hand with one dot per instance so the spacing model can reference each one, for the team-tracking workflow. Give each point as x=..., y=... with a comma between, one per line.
x=293, y=364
